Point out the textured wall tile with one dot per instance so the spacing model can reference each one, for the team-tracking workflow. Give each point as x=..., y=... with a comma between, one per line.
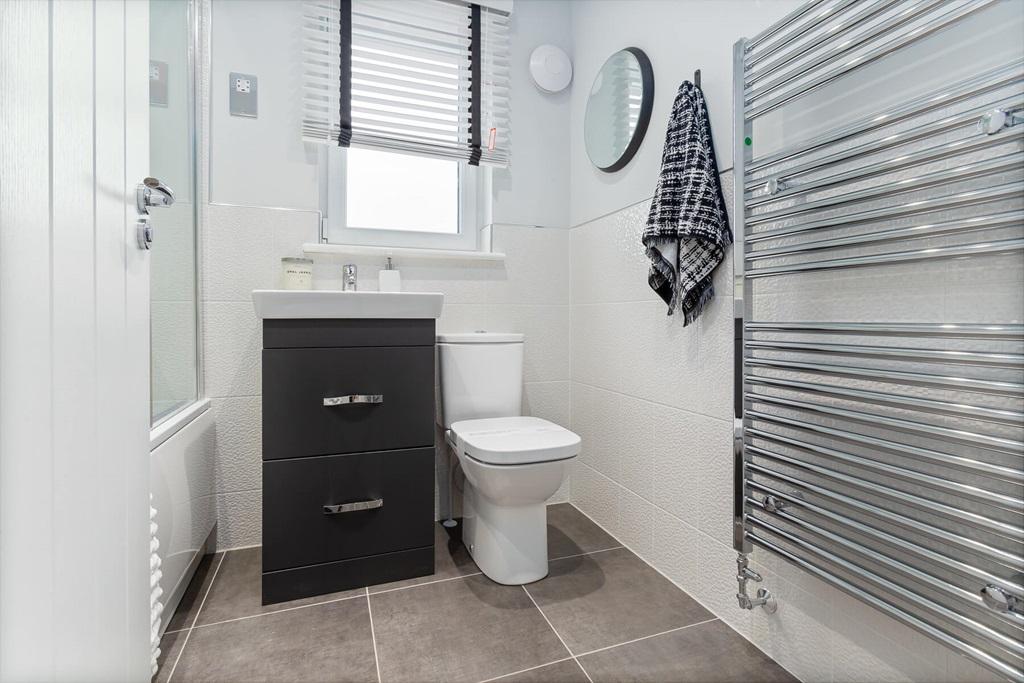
x=868, y=646
x=608, y=260
x=618, y=436
x=550, y=401
x=536, y=266
x=239, y=519
x=714, y=439
x=239, y=430
x=173, y=354
x=675, y=550
x=173, y=259
x=678, y=457
x=595, y=494
x=636, y=349
x=232, y=343
x=716, y=584
x=546, y=328
x=636, y=523
x=243, y=247
x=462, y=318
x=798, y=635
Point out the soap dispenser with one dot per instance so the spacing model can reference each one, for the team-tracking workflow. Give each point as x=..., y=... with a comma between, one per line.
x=389, y=279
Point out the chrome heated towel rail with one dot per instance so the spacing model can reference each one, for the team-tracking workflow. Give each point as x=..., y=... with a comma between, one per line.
x=879, y=304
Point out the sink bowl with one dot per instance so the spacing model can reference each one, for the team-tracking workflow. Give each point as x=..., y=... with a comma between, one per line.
x=324, y=303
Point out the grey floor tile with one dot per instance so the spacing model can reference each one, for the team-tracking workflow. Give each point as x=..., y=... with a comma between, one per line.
x=170, y=646
x=185, y=614
x=450, y=559
x=707, y=653
x=562, y=672
x=604, y=599
x=331, y=642
x=236, y=591
x=467, y=629
x=570, y=532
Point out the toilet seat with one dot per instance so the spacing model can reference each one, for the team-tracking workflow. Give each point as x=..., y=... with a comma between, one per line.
x=514, y=440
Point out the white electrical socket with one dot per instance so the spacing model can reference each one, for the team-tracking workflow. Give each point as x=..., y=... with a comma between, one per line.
x=242, y=94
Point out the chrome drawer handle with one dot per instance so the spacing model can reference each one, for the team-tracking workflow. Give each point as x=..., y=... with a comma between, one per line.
x=353, y=398
x=354, y=507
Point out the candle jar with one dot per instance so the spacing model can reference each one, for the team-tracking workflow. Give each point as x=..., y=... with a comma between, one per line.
x=297, y=273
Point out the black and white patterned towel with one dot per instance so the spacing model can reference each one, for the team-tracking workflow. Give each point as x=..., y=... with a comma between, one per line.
x=687, y=228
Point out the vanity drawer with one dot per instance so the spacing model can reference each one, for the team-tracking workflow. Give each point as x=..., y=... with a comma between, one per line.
x=338, y=507
x=391, y=392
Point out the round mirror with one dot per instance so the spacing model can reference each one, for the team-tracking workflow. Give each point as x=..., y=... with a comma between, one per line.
x=619, y=109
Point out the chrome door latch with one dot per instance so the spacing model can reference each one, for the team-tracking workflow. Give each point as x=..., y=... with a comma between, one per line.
x=149, y=193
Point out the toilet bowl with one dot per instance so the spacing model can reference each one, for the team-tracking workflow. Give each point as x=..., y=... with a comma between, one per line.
x=512, y=464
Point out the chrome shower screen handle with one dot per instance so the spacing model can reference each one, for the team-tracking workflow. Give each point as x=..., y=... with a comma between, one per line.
x=354, y=507
x=353, y=399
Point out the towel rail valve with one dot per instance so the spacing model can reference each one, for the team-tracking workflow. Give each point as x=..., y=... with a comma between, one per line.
x=764, y=599
x=994, y=121
x=1001, y=601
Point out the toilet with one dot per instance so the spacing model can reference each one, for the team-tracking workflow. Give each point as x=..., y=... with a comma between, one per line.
x=512, y=463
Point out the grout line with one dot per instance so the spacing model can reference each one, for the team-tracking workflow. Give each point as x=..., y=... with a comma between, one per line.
x=745, y=636
x=278, y=611
x=658, y=404
x=557, y=634
x=188, y=635
x=373, y=635
x=653, y=635
x=425, y=583
x=592, y=552
x=532, y=668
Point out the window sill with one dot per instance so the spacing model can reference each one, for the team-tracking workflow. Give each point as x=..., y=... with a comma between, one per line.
x=405, y=253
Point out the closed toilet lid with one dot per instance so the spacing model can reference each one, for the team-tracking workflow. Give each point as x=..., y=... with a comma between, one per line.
x=514, y=440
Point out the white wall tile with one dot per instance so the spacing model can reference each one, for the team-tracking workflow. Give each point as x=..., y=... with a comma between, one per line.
x=551, y=401
x=596, y=495
x=608, y=260
x=546, y=328
x=635, y=529
x=232, y=342
x=798, y=635
x=239, y=519
x=868, y=646
x=716, y=584
x=677, y=451
x=536, y=269
x=243, y=247
x=239, y=432
x=617, y=432
x=675, y=550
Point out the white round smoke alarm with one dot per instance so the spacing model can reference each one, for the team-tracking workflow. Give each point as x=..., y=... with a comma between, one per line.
x=550, y=68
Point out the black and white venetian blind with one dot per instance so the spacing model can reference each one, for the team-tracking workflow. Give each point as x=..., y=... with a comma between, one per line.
x=428, y=77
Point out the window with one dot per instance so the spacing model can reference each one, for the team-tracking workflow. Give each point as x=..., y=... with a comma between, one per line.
x=401, y=200
x=408, y=99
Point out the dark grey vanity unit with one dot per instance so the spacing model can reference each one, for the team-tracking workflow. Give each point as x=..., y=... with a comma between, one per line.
x=348, y=454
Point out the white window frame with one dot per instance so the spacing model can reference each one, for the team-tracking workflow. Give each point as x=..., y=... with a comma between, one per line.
x=473, y=182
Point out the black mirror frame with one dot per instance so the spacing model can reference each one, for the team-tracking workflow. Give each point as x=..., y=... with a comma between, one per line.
x=646, y=105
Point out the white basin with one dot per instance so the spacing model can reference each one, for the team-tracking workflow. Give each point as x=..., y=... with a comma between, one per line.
x=326, y=303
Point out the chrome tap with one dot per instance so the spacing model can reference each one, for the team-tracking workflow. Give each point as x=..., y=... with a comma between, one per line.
x=348, y=284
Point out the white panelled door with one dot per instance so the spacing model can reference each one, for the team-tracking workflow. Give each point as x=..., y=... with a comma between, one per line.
x=74, y=341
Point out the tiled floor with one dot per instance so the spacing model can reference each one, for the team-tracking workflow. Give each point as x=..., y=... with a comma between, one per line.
x=602, y=614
